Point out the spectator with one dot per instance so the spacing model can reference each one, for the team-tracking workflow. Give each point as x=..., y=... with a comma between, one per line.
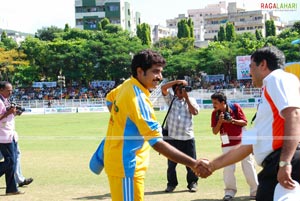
x=180, y=130
x=228, y=120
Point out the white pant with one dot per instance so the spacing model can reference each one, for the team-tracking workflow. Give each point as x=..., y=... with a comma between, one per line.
x=248, y=170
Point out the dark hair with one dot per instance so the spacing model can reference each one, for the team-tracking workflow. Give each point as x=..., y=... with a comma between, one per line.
x=3, y=84
x=274, y=57
x=146, y=59
x=220, y=96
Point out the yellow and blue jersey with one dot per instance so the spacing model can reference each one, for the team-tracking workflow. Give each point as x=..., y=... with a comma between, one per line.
x=132, y=128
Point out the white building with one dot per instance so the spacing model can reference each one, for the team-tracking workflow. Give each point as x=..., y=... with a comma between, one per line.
x=198, y=15
x=89, y=12
x=159, y=32
x=243, y=21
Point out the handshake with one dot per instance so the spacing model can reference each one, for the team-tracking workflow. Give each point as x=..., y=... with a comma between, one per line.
x=203, y=168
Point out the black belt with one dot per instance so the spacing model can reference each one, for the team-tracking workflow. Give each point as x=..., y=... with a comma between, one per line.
x=274, y=156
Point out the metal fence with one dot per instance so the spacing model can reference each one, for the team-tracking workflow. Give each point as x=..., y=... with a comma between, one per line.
x=63, y=103
x=156, y=98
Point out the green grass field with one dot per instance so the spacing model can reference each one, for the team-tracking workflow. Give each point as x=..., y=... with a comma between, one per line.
x=56, y=150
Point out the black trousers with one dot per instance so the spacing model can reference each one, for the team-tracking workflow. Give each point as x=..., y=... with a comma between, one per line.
x=267, y=178
x=8, y=166
x=188, y=147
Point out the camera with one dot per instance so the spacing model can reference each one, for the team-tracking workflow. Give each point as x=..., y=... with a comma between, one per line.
x=19, y=109
x=187, y=88
x=227, y=116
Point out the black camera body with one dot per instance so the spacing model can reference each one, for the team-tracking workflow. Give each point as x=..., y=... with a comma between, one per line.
x=187, y=88
x=19, y=109
x=227, y=116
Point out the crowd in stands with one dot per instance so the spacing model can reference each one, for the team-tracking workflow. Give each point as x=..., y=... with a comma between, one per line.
x=99, y=90
x=55, y=93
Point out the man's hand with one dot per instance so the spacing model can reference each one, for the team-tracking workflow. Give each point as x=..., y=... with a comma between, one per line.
x=203, y=168
x=12, y=110
x=284, y=177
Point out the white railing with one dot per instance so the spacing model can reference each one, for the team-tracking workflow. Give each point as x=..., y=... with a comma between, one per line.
x=156, y=98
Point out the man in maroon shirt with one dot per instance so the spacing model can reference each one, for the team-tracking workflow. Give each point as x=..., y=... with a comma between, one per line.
x=228, y=120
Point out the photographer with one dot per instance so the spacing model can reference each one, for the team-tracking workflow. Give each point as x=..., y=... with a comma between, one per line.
x=180, y=127
x=228, y=120
x=7, y=142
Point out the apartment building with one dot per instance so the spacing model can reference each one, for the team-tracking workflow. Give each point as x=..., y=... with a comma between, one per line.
x=159, y=32
x=198, y=15
x=243, y=21
x=207, y=20
x=89, y=12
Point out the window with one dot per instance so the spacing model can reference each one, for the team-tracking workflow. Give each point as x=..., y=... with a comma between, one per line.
x=113, y=8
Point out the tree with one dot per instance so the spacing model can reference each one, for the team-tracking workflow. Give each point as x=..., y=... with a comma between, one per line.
x=3, y=35
x=112, y=28
x=191, y=26
x=9, y=60
x=221, y=34
x=105, y=21
x=215, y=38
x=182, y=64
x=48, y=33
x=67, y=28
x=8, y=43
x=230, y=32
x=184, y=29
x=258, y=34
x=144, y=33
x=296, y=27
x=270, y=28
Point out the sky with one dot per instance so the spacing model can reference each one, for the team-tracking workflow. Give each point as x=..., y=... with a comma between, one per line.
x=30, y=15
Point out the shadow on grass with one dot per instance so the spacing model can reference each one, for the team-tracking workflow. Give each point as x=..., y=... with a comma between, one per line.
x=107, y=196
x=163, y=192
x=241, y=198
x=95, y=197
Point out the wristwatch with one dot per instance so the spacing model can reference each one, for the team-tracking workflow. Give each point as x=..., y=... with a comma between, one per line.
x=284, y=163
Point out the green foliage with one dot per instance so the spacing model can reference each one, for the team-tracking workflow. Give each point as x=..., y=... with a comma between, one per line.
x=296, y=27
x=221, y=34
x=144, y=33
x=181, y=64
x=9, y=43
x=85, y=55
x=215, y=38
x=3, y=35
x=288, y=33
x=175, y=45
x=105, y=21
x=191, y=26
x=9, y=61
x=258, y=34
x=270, y=28
x=185, y=29
x=48, y=33
x=230, y=32
x=112, y=28
x=67, y=28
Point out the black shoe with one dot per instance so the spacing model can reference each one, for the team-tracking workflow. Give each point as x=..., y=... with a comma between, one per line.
x=26, y=182
x=170, y=189
x=227, y=198
x=192, y=187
